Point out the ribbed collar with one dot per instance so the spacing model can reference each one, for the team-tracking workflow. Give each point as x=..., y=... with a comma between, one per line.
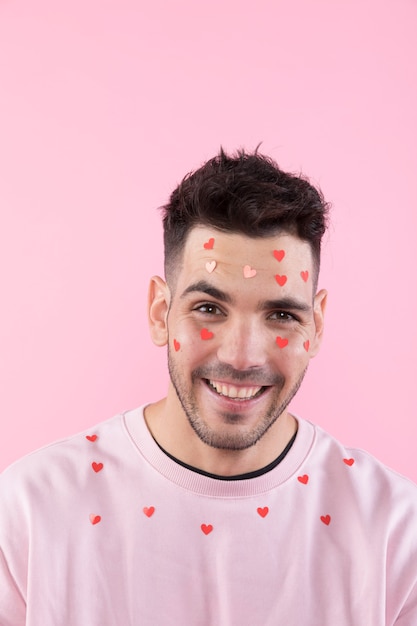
x=138, y=431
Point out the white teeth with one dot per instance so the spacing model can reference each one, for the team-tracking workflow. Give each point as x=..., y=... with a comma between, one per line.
x=230, y=391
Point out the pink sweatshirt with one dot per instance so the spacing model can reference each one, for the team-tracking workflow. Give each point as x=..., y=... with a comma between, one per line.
x=104, y=529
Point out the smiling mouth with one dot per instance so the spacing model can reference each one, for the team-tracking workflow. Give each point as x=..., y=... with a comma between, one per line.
x=233, y=392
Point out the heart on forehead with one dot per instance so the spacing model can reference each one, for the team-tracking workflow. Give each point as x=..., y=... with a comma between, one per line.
x=281, y=280
x=249, y=272
x=209, y=244
x=279, y=254
x=210, y=266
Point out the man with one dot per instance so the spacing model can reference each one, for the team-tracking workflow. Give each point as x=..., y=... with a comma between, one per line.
x=216, y=506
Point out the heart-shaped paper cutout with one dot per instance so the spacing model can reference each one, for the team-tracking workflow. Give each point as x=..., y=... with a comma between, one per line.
x=249, y=272
x=326, y=519
x=263, y=511
x=349, y=462
x=149, y=510
x=209, y=244
x=95, y=519
x=279, y=254
x=281, y=342
x=304, y=276
x=281, y=280
x=303, y=479
x=206, y=528
x=206, y=334
x=177, y=345
x=210, y=266
x=91, y=437
x=97, y=467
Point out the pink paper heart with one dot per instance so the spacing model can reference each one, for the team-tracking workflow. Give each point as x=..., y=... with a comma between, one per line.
x=249, y=272
x=210, y=265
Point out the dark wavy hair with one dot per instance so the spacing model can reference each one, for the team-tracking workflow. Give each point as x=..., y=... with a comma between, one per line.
x=245, y=193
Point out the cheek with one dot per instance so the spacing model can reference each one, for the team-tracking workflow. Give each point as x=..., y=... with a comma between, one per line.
x=191, y=339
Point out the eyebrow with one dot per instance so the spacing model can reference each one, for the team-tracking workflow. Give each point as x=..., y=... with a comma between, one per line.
x=202, y=286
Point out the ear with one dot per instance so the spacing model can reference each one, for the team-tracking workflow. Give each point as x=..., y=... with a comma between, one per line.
x=319, y=306
x=158, y=306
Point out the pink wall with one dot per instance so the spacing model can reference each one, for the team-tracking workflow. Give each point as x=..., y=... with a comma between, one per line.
x=104, y=105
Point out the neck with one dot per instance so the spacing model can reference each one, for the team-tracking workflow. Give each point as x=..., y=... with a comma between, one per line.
x=171, y=429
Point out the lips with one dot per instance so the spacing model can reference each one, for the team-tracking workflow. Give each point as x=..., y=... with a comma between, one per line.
x=233, y=392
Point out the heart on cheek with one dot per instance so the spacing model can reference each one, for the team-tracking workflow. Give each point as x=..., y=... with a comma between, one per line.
x=306, y=345
x=177, y=345
x=209, y=244
x=206, y=334
x=304, y=276
x=281, y=280
x=281, y=343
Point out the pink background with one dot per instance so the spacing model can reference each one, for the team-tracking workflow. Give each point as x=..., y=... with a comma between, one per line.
x=104, y=105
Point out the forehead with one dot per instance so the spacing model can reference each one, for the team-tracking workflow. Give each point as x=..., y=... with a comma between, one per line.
x=281, y=251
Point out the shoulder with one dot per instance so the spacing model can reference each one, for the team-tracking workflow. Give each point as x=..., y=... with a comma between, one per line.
x=359, y=475
x=49, y=466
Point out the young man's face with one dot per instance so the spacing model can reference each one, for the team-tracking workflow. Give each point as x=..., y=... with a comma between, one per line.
x=241, y=327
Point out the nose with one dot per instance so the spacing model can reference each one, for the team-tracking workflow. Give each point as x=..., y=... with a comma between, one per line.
x=242, y=345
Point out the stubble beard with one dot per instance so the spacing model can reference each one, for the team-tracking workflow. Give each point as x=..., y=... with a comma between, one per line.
x=239, y=440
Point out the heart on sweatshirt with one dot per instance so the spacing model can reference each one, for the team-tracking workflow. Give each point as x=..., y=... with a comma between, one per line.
x=349, y=462
x=206, y=528
x=326, y=519
x=97, y=467
x=95, y=519
x=263, y=511
x=149, y=510
x=91, y=437
x=303, y=479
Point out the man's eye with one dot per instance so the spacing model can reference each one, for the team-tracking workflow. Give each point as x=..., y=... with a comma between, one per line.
x=210, y=309
x=282, y=316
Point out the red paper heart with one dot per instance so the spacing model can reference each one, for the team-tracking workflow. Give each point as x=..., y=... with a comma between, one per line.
x=349, y=462
x=281, y=280
x=177, y=345
x=281, y=343
x=91, y=437
x=97, y=467
x=209, y=244
x=303, y=479
x=149, y=510
x=263, y=512
x=95, y=519
x=279, y=254
x=206, y=528
x=326, y=519
x=304, y=276
x=306, y=345
x=206, y=334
